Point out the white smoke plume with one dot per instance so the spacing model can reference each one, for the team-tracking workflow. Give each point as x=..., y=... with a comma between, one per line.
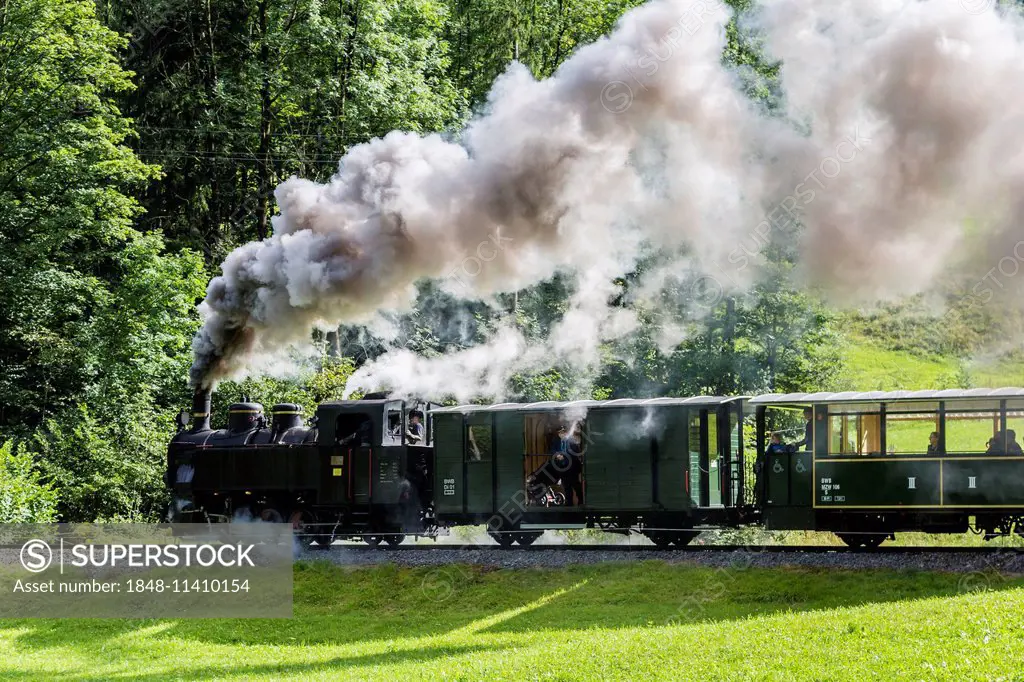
x=902, y=121
x=543, y=181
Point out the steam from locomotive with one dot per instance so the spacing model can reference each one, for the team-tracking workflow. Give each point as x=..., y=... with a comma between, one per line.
x=902, y=121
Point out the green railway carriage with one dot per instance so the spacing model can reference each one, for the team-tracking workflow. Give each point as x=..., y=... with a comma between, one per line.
x=880, y=462
x=665, y=466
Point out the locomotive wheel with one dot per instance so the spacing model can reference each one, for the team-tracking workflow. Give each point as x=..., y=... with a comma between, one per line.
x=373, y=540
x=300, y=519
x=527, y=539
x=394, y=540
x=271, y=516
x=863, y=540
x=242, y=515
x=503, y=539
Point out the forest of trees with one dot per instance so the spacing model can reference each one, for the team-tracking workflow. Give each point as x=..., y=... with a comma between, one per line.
x=141, y=140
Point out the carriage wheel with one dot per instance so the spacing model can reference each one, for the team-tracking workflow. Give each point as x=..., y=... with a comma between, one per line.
x=373, y=540
x=684, y=537
x=527, y=539
x=660, y=540
x=394, y=540
x=863, y=540
x=503, y=539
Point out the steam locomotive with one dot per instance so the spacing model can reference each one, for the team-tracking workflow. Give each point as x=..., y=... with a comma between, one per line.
x=869, y=465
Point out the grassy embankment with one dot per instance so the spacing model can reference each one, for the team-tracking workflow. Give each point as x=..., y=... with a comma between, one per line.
x=871, y=366
x=628, y=621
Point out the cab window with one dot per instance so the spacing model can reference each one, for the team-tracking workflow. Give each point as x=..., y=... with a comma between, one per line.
x=393, y=418
x=353, y=429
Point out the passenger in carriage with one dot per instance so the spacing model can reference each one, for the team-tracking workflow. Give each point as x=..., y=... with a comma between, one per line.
x=776, y=446
x=1012, y=447
x=933, y=444
x=995, y=444
x=559, y=441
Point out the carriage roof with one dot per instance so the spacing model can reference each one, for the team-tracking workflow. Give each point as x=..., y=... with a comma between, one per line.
x=887, y=396
x=695, y=401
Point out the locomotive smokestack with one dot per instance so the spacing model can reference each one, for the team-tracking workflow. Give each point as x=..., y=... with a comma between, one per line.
x=201, y=402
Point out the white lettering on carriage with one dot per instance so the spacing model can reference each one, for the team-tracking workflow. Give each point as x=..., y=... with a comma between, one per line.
x=911, y=483
x=972, y=481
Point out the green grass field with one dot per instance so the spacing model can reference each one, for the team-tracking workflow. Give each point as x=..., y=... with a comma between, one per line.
x=871, y=367
x=614, y=621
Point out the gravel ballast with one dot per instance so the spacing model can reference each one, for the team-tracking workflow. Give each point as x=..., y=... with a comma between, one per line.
x=981, y=561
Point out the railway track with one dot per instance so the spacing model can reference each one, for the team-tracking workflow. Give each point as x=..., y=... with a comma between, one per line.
x=691, y=549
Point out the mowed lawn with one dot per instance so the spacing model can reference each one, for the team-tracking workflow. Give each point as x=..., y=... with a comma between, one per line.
x=614, y=621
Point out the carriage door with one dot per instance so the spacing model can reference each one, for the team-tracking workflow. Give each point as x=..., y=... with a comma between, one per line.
x=387, y=465
x=619, y=460
x=479, y=463
x=353, y=453
x=709, y=485
x=446, y=432
x=673, y=458
x=729, y=436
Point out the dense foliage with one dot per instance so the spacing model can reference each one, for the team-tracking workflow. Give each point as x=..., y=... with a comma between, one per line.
x=24, y=497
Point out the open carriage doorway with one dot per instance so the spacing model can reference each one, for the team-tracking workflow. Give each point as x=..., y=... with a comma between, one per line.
x=553, y=460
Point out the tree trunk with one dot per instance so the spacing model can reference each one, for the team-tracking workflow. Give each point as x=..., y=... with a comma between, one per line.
x=264, y=179
x=729, y=342
x=333, y=345
x=350, y=11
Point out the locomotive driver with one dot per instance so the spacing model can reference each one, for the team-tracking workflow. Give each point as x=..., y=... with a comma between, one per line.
x=414, y=431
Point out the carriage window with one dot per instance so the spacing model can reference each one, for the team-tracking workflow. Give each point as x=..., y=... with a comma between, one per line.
x=854, y=434
x=694, y=441
x=712, y=439
x=843, y=434
x=972, y=432
x=910, y=433
x=1014, y=432
x=714, y=470
x=478, y=440
x=790, y=425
